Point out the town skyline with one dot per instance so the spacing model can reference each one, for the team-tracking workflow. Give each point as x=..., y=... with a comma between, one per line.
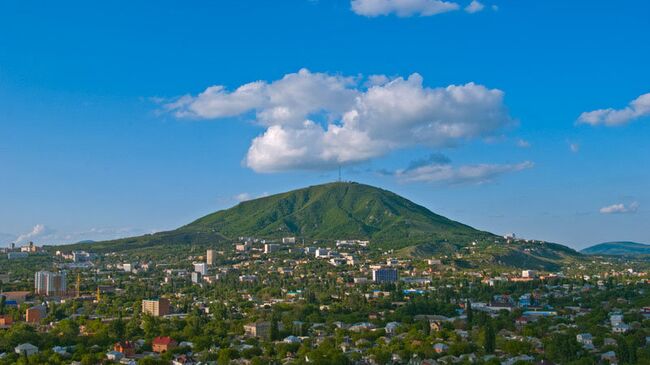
x=120, y=120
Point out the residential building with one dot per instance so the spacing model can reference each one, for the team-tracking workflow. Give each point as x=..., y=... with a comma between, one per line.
x=26, y=349
x=201, y=268
x=271, y=247
x=384, y=275
x=258, y=329
x=5, y=321
x=50, y=283
x=163, y=344
x=125, y=347
x=209, y=257
x=35, y=314
x=156, y=307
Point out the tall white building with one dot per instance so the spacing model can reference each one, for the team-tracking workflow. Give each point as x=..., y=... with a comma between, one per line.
x=201, y=268
x=50, y=283
x=209, y=257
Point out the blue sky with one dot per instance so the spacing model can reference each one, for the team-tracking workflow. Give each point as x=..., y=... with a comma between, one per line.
x=107, y=129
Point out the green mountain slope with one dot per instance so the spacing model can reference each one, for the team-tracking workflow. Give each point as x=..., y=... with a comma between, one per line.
x=618, y=249
x=350, y=211
x=336, y=211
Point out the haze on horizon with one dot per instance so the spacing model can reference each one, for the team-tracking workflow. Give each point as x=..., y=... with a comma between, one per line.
x=120, y=119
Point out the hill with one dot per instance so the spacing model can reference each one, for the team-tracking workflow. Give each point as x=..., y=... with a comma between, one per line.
x=337, y=211
x=349, y=211
x=618, y=249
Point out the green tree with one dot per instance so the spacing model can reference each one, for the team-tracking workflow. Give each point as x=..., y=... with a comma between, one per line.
x=489, y=338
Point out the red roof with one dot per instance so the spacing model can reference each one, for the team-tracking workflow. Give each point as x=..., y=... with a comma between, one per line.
x=164, y=340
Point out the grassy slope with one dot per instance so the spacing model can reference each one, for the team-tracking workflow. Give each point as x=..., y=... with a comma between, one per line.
x=337, y=211
x=345, y=211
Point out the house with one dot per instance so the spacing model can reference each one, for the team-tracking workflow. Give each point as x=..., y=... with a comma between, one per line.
x=440, y=347
x=125, y=347
x=291, y=339
x=620, y=328
x=62, y=351
x=163, y=344
x=391, y=328
x=183, y=360
x=114, y=355
x=586, y=340
x=26, y=349
x=5, y=321
x=609, y=356
x=35, y=314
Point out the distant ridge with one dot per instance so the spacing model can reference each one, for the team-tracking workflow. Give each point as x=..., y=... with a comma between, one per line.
x=622, y=248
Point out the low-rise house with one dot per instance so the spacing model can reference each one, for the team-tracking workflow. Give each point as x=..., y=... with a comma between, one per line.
x=125, y=347
x=114, y=355
x=26, y=349
x=163, y=344
x=586, y=340
x=440, y=347
x=6, y=321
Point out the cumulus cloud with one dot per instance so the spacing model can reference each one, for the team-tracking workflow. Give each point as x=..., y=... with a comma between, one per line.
x=45, y=235
x=37, y=231
x=402, y=8
x=474, y=7
x=637, y=108
x=319, y=121
x=437, y=168
x=620, y=208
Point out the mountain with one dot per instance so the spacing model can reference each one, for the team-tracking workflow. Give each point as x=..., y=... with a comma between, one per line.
x=618, y=249
x=336, y=211
x=345, y=210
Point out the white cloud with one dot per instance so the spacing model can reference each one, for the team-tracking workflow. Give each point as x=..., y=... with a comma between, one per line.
x=620, y=208
x=319, y=121
x=45, y=235
x=637, y=108
x=288, y=101
x=465, y=174
x=474, y=7
x=242, y=197
x=37, y=231
x=522, y=143
x=402, y=8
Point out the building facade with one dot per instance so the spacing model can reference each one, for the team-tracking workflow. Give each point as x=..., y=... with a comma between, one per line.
x=50, y=283
x=156, y=307
x=384, y=275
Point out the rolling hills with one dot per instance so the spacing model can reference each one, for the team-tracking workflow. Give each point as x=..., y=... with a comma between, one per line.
x=623, y=248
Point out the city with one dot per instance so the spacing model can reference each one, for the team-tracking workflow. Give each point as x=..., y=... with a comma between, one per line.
x=325, y=182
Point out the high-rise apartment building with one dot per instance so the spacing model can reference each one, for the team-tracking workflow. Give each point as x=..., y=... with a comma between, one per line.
x=156, y=307
x=209, y=257
x=50, y=283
